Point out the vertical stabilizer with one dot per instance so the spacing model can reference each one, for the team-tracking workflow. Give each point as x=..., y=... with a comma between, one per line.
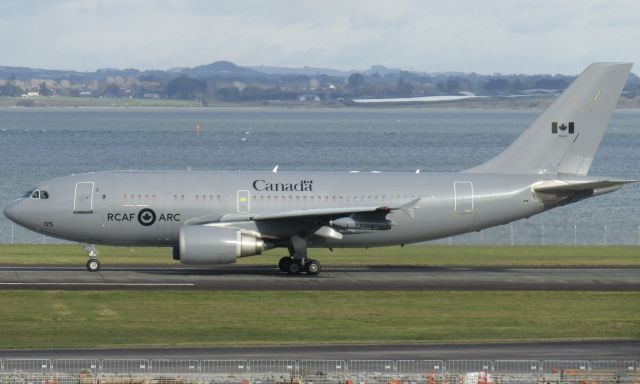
x=566, y=136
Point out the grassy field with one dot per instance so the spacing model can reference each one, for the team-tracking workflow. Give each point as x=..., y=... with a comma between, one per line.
x=427, y=255
x=73, y=102
x=41, y=319
x=65, y=101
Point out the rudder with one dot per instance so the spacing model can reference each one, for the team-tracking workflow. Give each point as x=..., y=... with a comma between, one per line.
x=566, y=136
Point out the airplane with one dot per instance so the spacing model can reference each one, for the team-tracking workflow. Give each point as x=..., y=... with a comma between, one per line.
x=211, y=218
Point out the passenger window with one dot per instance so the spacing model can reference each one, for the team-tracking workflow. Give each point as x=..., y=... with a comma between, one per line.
x=35, y=195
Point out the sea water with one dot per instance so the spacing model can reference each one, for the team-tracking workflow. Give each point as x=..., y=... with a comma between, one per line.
x=40, y=144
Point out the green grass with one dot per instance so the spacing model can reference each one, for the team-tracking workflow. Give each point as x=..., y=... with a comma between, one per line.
x=427, y=255
x=43, y=319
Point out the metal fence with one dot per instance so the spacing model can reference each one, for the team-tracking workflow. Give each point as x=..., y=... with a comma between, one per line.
x=186, y=371
x=527, y=232
x=530, y=232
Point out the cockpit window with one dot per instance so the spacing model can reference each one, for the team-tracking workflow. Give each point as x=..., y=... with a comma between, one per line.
x=27, y=194
x=37, y=194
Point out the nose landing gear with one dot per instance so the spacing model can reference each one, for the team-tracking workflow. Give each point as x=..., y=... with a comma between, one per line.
x=93, y=265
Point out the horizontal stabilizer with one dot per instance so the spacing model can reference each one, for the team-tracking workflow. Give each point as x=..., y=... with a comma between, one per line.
x=554, y=191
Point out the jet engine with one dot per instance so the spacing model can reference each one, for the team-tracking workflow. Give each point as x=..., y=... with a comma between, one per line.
x=201, y=244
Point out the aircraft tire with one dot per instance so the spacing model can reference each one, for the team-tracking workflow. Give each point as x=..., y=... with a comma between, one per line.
x=283, y=264
x=294, y=268
x=313, y=267
x=93, y=265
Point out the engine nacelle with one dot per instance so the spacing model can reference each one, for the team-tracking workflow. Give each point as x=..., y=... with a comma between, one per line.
x=201, y=244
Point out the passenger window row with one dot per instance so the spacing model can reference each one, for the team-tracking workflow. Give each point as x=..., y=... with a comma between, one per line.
x=325, y=198
x=147, y=196
x=139, y=196
x=332, y=198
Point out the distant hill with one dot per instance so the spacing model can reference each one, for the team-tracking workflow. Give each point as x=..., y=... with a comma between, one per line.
x=23, y=73
x=219, y=69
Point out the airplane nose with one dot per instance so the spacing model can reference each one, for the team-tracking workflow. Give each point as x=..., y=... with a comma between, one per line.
x=11, y=212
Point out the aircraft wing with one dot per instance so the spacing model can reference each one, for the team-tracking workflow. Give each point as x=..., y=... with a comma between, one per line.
x=306, y=214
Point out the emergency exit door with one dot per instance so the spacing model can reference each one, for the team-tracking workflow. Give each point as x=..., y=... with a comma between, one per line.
x=463, y=191
x=244, y=204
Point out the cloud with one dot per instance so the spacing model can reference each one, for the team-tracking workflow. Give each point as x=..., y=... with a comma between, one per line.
x=491, y=36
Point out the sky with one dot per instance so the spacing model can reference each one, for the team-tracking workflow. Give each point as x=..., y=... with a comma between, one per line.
x=517, y=36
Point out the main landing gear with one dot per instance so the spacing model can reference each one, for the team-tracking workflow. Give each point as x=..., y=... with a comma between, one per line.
x=297, y=261
x=93, y=265
x=295, y=267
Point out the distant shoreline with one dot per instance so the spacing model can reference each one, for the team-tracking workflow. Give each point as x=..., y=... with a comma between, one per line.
x=493, y=103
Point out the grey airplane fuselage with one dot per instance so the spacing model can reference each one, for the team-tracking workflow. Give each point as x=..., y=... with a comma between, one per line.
x=149, y=208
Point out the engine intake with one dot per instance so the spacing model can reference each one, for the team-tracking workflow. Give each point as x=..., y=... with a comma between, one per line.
x=201, y=244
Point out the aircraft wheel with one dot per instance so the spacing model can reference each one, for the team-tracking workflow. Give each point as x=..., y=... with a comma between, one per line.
x=283, y=264
x=312, y=267
x=93, y=265
x=294, y=268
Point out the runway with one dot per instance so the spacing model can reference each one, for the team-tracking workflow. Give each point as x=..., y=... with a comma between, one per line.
x=251, y=278
x=562, y=350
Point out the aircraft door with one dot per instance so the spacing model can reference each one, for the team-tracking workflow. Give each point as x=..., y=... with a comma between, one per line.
x=244, y=204
x=83, y=199
x=463, y=192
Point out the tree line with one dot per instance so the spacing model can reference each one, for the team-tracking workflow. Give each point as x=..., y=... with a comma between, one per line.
x=225, y=81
